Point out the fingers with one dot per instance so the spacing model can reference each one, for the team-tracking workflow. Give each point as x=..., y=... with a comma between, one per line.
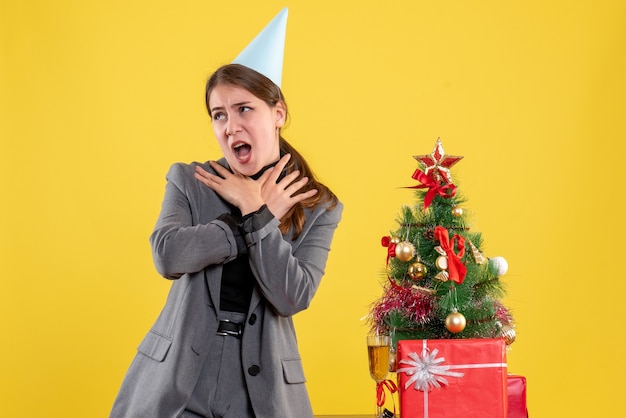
x=282, y=163
x=203, y=175
x=303, y=196
x=266, y=176
x=278, y=168
x=292, y=188
x=208, y=179
x=219, y=169
x=290, y=184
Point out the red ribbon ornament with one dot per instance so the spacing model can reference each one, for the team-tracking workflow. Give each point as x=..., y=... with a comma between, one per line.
x=447, y=190
x=456, y=268
x=391, y=247
x=380, y=392
x=391, y=252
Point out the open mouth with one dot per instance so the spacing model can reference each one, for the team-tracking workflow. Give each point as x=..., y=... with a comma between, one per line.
x=242, y=151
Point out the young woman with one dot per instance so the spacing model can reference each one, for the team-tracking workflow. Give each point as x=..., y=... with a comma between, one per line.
x=245, y=239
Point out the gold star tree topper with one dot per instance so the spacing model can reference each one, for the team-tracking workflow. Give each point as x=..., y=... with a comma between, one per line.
x=437, y=164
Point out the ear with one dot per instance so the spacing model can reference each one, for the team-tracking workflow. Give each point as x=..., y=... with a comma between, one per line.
x=280, y=111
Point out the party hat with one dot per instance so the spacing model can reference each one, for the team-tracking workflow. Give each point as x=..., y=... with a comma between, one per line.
x=266, y=51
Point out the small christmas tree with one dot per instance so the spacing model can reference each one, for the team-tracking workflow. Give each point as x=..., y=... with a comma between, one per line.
x=438, y=282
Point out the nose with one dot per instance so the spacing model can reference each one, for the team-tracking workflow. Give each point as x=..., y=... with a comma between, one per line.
x=232, y=126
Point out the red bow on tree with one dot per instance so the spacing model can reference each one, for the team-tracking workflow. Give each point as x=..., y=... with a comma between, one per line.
x=434, y=188
x=391, y=247
x=456, y=268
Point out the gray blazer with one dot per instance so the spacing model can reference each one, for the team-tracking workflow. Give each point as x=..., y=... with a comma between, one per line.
x=190, y=246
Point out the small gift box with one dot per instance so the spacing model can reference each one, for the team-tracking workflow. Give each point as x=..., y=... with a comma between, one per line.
x=517, y=397
x=452, y=378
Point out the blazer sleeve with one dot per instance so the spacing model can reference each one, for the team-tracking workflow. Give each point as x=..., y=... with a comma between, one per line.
x=180, y=243
x=289, y=273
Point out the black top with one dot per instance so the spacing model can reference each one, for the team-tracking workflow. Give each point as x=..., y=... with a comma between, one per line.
x=237, y=285
x=237, y=277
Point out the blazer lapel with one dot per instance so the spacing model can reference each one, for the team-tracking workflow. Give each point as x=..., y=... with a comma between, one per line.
x=214, y=283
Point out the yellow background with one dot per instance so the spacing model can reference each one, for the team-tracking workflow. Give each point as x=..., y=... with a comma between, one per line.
x=99, y=98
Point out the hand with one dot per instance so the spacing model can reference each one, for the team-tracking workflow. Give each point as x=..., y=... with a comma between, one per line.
x=281, y=197
x=235, y=188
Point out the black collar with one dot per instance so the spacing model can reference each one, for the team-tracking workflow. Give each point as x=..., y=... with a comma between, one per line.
x=264, y=169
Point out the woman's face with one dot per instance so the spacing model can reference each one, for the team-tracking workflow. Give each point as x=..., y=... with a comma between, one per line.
x=245, y=127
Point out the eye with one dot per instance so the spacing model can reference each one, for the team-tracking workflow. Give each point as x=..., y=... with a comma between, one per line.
x=219, y=116
x=244, y=109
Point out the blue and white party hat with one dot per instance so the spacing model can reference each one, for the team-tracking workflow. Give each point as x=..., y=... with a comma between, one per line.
x=266, y=51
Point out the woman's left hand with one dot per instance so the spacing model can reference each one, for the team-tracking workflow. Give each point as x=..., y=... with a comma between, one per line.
x=280, y=197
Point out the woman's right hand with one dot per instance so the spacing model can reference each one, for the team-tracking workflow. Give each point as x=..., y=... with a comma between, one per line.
x=235, y=188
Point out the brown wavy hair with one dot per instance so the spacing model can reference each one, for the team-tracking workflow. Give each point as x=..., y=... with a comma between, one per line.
x=263, y=88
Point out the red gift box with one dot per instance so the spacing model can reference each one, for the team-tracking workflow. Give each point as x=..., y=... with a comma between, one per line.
x=452, y=378
x=517, y=397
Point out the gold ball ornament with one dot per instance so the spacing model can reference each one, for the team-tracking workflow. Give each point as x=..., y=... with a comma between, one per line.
x=392, y=361
x=455, y=322
x=417, y=271
x=508, y=333
x=405, y=251
x=457, y=211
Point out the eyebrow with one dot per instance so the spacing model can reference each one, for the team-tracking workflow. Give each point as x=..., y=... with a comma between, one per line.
x=213, y=109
